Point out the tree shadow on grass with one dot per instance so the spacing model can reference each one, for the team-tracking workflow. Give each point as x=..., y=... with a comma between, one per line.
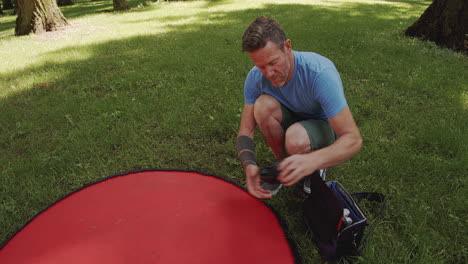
x=8, y=23
x=85, y=8
x=79, y=9
x=172, y=101
x=70, y=12
x=419, y=3
x=212, y=3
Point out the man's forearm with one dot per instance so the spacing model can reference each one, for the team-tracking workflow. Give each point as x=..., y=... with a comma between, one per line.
x=246, y=151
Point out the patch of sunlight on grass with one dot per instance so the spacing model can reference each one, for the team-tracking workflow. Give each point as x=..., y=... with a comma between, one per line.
x=339, y=2
x=401, y=11
x=28, y=81
x=464, y=97
x=240, y=5
x=19, y=56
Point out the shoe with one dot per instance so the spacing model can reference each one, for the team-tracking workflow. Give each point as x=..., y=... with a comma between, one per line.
x=268, y=175
x=323, y=175
x=273, y=187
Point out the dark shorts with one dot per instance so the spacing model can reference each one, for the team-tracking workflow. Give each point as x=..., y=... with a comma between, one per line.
x=320, y=132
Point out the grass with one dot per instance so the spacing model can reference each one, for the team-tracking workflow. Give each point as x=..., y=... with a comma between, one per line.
x=160, y=86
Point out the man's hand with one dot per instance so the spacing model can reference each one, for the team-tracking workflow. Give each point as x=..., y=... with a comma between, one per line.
x=294, y=168
x=252, y=178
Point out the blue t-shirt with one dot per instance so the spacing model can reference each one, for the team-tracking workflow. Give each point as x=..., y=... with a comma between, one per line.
x=314, y=91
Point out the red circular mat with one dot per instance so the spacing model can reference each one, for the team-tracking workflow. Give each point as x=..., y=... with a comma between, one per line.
x=153, y=217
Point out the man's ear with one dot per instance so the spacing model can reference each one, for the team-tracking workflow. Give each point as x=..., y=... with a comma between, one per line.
x=287, y=45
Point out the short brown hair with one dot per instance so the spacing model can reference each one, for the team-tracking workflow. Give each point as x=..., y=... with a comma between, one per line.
x=262, y=30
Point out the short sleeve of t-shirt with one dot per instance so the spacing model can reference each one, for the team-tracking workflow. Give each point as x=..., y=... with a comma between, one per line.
x=329, y=92
x=252, y=89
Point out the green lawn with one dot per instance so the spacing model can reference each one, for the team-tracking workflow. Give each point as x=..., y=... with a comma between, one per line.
x=160, y=86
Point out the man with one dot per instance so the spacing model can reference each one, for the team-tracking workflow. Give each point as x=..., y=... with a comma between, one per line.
x=297, y=101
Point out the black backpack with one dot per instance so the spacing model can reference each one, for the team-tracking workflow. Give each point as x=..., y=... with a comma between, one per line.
x=337, y=235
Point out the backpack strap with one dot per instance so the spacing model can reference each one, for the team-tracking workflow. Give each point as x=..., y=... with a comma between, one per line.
x=372, y=197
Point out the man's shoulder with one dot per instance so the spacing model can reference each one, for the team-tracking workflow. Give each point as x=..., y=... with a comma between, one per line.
x=254, y=71
x=312, y=61
x=254, y=75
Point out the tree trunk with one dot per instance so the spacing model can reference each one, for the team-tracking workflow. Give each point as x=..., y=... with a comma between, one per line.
x=445, y=22
x=1, y=11
x=120, y=5
x=65, y=2
x=35, y=16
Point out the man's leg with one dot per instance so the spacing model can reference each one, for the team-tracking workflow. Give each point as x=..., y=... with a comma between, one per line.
x=306, y=136
x=297, y=140
x=268, y=115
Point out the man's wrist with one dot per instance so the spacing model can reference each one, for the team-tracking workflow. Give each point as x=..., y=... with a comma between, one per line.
x=246, y=151
x=251, y=170
x=248, y=163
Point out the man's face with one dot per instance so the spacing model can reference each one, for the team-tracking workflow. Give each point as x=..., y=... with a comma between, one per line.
x=276, y=65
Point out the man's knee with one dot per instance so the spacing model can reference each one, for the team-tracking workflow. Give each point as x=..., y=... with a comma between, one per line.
x=266, y=106
x=297, y=140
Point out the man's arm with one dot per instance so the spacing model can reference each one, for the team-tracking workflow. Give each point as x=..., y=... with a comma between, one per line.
x=247, y=124
x=245, y=149
x=349, y=142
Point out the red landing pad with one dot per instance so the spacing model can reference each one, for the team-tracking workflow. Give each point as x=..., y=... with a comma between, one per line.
x=153, y=217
